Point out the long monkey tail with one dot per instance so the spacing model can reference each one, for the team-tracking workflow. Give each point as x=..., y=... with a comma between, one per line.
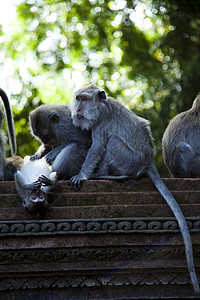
x=153, y=174
x=9, y=121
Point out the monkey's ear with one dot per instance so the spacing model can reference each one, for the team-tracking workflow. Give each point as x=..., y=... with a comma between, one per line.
x=54, y=117
x=102, y=96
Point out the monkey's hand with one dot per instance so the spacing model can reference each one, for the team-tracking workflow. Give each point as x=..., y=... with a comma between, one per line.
x=75, y=181
x=35, y=157
x=45, y=181
x=33, y=186
x=50, y=157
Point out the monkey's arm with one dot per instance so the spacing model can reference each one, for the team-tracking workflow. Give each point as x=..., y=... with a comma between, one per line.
x=42, y=151
x=94, y=155
x=19, y=179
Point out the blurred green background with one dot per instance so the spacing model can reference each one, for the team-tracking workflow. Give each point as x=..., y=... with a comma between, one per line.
x=146, y=54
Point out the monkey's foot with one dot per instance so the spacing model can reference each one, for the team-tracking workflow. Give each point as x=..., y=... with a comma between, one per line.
x=44, y=180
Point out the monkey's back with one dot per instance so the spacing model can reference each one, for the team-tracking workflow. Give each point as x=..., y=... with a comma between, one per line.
x=133, y=130
x=185, y=127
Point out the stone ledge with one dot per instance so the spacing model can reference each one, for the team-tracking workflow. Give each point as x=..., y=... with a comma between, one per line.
x=110, y=240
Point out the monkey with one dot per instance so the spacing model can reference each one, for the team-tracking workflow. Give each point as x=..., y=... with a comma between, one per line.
x=36, y=177
x=181, y=143
x=122, y=144
x=12, y=164
x=53, y=127
x=33, y=180
x=11, y=132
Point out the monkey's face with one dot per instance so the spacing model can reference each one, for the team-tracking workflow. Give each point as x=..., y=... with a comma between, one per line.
x=41, y=128
x=36, y=202
x=87, y=106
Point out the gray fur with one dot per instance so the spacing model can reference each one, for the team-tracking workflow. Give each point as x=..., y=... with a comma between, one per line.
x=58, y=133
x=69, y=160
x=181, y=143
x=11, y=132
x=13, y=164
x=122, y=145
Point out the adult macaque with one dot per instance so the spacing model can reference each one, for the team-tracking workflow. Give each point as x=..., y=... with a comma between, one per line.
x=181, y=143
x=11, y=133
x=52, y=126
x=122, y=145
x=33, y=180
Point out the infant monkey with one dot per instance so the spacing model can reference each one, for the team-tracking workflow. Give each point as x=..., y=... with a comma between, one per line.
x=33, y=180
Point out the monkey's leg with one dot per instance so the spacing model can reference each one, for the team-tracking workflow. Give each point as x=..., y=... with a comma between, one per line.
x=185, y=163
x=69, y=161
x=118, y=167
x=50, y=157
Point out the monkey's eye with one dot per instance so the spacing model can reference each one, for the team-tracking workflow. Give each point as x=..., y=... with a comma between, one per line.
x=41, y=196
x=78, y=98
x=86, y=99
x=33, y=197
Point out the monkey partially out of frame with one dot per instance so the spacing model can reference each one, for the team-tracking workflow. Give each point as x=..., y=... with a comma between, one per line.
x=12, y=164
x=181, y=143
x=122, y=145
x=11, y=133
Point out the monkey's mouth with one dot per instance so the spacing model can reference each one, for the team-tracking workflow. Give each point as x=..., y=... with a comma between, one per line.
x=48, y=140
x=79, y=116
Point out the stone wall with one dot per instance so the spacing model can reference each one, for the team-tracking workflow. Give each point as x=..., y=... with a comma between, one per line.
x=110, y=240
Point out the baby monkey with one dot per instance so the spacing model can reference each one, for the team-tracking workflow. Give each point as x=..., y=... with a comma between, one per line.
x=122, y=145
x=181, y=143
x=33, y=180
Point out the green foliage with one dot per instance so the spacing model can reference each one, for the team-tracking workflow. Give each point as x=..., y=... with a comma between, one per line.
x=60, y=45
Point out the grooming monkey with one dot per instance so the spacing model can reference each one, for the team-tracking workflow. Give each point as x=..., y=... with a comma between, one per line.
x=181, y=143
x=62, y=142
x=11, y=133
x=33, y=180
x=122, y=145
